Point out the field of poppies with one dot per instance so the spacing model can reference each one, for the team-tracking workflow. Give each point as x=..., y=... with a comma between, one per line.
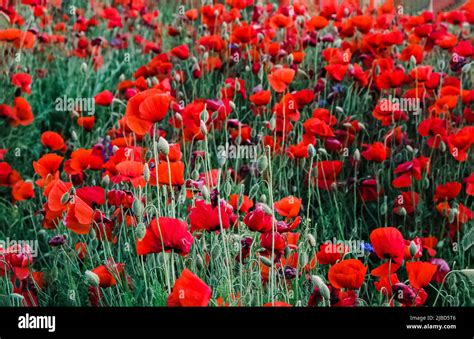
x=236, y=153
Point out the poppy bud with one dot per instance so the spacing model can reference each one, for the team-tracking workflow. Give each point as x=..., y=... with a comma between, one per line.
x=383, y=208
x=311, y=240
x=263, y=199
x=146, y=172
x=469, y=273
x=205, y=193
x=452, y=214
x=426, y=183
x=163, y=146
x=141, y=231
x=199, y=262
x=74, y=136
x=339, y=110
x=311, y=151
x=137, y=207
x=92, y=278
x=466, y=68
x=413, y=60
x=267, y=262
x=221, y=160
x=401, y=211
x=442, y=146
x=105, y=180
x=203, y=128
x=361, y=125
x=262, y=163
x=266, y=208
x=65, y=198
x=122, y=77
x=84, y=67
x=287, y=251
x=178, y=117
x=413, y=248
x=195, y=175
x=322, y=151
x=441, y=63
x=322, y=287
x=290, y=58
x=272, y=122
x=356, y=155
x=232, y=104
x=204, y=115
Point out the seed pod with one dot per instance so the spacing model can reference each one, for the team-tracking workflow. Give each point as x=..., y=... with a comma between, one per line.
x=92, y=278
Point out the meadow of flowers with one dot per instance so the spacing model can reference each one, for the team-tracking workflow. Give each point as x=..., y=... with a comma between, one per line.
x=235, y=153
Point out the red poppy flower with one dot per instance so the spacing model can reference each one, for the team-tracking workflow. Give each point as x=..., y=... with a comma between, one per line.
x=329, y=254
x=104, y=98
x=204, y=216
x=447, y=191
x=79, y=216
x=53, y=141
x=388, y=243
x=241, y=203
x=470, y=184
x=348, y=274
x=336, y=71
x=109, y=273
x=376, y=152
x=189, y=290
x=86, y=122
x=407, y=200
x=22, y=113
x=22, y=190
x=23, y=81
x=288, y=207
x=259, y=220
x=145, y=108
x=327, y=173
x=260, y=98
x=420, y=273
x=181, y=52
x=166, y=234
x=280, y=78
